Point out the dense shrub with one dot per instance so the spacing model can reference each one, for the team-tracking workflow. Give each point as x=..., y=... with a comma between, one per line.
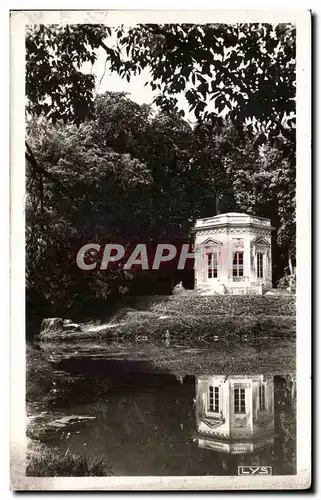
x=288, y=282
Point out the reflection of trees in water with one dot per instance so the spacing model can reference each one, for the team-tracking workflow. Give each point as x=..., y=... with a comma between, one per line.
x=285, y=423
x=152, y=428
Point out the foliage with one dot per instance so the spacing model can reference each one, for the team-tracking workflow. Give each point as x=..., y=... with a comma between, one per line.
x=263, y=180
x=164, y=143
x=211, y=144
x=288, y=281
x=120, y=177
x=247, y=68
x=56, y=84
x=88, y=202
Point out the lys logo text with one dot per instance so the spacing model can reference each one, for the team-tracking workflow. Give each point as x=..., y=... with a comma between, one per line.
x=245, y=470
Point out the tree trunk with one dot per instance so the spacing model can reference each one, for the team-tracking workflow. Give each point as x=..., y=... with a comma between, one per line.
x=290, y=264
x=217, y=203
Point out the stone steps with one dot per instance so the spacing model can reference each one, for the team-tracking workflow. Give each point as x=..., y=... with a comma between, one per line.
x=223, y=290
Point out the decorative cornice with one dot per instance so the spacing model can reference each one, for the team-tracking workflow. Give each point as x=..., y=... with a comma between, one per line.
x=252, y=226
x=224, y=438
x=245, y=230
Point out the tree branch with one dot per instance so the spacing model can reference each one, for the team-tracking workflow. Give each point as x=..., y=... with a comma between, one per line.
x=38, y=168
x=103, y=73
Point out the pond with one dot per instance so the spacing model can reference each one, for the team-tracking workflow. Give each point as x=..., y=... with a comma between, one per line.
x=160, y=409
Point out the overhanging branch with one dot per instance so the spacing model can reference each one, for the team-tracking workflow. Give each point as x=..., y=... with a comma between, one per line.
x=38, y=168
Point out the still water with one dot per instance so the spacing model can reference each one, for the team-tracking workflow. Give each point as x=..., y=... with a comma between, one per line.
x=150, y=413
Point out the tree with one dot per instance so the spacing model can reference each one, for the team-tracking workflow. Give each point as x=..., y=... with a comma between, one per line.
x=247, y=69
x=263, y=183
x=283, y=186
x=56, y=84
x=93, y=201
x=164, y=142
x=121, y=177
x=212, y=144
x=169, y=155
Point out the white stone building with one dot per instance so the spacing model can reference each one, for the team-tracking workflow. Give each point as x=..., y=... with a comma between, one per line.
x=235, y=414
x=233, y=254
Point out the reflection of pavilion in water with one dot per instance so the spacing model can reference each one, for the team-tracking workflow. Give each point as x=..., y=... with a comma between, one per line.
x=235, y=414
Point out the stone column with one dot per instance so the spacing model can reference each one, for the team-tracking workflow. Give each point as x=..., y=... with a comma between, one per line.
x=229, y=269
x=252, y=259
x=203, y=267
x=268, y=267
x=224, y=260
x=247, y=258
x=198, y=278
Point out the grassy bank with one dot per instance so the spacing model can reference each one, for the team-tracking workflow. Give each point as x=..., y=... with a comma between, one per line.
x=193, y=318
x=229, y=305
x=45, y=461
x=188, y=327
x=134, y=325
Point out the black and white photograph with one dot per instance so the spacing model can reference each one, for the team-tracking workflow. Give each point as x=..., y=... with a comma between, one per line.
x=160, y=198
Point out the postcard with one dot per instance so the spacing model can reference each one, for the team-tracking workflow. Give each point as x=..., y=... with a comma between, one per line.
x=160, y=250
